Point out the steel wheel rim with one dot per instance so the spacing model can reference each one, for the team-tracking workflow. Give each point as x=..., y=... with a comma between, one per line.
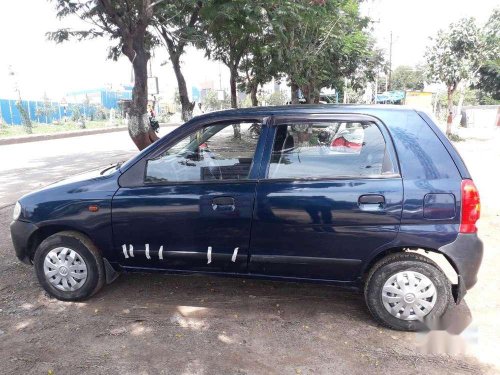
x=409, y=295
x=65, y=269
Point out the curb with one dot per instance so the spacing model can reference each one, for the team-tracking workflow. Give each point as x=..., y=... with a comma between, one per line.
x=70, y=134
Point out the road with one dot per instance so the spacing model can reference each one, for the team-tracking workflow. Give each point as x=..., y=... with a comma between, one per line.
x=155, y=324
x=28, y=166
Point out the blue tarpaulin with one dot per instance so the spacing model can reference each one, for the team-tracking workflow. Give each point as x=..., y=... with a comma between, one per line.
x=391, y=97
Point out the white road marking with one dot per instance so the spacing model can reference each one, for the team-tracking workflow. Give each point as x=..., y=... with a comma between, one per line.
x=147, y=251
x=209, y=255
x=124, y=248
x=131, y=250
x=160, y=252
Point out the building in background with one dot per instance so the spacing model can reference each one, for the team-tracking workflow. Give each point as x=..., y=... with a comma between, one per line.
x=420, y=100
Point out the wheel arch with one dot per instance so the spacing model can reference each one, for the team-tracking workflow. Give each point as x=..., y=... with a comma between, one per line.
x=445, y=264
x=45, y=232
x=111, y=273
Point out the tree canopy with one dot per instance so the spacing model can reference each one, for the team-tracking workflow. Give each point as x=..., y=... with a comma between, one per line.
x=229, y=28
x=177, y=26
x=319, y=43
x=406, y=77
x=455, y=56
x=489, y=74
x=312, y=44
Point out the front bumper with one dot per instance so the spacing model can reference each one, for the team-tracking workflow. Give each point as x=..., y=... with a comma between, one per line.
x=466, y=254
x=20, y=232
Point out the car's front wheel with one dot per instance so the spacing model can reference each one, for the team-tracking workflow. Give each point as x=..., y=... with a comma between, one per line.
x=407, y=291
x=68, y=266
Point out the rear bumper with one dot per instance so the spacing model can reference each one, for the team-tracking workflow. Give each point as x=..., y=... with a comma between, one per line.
x=466, y=254
x=20, y=232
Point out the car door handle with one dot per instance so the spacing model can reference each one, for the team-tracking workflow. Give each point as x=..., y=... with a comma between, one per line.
x=371, y=201
x=223, y=204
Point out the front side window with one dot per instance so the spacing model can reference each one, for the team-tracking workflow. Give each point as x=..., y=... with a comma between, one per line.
x=329, y=150
x=216, y=152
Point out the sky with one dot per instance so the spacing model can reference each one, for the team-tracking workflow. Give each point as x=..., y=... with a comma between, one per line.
x=412, y=22
x=43, y=67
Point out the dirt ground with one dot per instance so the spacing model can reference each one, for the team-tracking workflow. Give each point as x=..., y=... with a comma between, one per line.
x=160, y=324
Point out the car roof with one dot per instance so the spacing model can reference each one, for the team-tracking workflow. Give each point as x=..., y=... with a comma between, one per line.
x=367, y=109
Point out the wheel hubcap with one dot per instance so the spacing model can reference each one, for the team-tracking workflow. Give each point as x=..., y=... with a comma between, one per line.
x=65, y=269
x=409, y=295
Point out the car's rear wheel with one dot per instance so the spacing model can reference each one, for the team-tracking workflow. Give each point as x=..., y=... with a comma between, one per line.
x=68, y=266
x=407, y=291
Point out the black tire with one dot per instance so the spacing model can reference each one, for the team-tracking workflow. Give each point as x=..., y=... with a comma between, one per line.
x=86, y=249
x=393, y=264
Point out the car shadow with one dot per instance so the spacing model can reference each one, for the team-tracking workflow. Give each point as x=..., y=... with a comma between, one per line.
x=282, y=300
x=224, y=295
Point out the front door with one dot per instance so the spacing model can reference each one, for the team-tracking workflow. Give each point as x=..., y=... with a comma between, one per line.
x=331, y=195
x=193, y=210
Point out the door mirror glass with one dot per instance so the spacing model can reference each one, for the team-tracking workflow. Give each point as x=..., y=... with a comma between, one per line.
x=216, y=152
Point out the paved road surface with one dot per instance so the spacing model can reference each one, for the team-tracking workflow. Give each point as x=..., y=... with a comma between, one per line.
x=27, y=166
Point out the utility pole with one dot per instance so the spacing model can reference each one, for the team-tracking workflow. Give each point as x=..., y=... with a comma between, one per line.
x=12, y=73
x=220, y=78
x=16, y=89
x=220, y=93
x=388, y=88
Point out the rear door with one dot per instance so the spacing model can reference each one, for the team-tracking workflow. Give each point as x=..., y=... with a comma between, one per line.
x=330, y=196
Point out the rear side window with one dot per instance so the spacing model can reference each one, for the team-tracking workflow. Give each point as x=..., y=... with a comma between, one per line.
x=329, y=150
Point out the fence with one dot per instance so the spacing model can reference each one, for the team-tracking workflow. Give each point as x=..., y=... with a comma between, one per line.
x=48, y=112
x=482, y=116
x=45, y=112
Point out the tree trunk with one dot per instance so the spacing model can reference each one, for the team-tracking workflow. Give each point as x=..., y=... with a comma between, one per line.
x=186, y=105
x=175, y=53
x=232, y=82
x=314, y=93
x=253, y=95
x=449, y=120
x=234, y=98
x=458, y=117
x=306, y=92
x=294, y=88
x=138, y=126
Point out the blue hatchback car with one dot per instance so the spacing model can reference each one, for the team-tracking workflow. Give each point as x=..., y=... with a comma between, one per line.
x=364, y=197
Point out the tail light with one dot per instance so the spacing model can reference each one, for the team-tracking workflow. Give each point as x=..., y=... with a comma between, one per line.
x=471, y=207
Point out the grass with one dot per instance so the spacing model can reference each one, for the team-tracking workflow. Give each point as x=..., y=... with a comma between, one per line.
x=455, y=138
x=7, y=131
